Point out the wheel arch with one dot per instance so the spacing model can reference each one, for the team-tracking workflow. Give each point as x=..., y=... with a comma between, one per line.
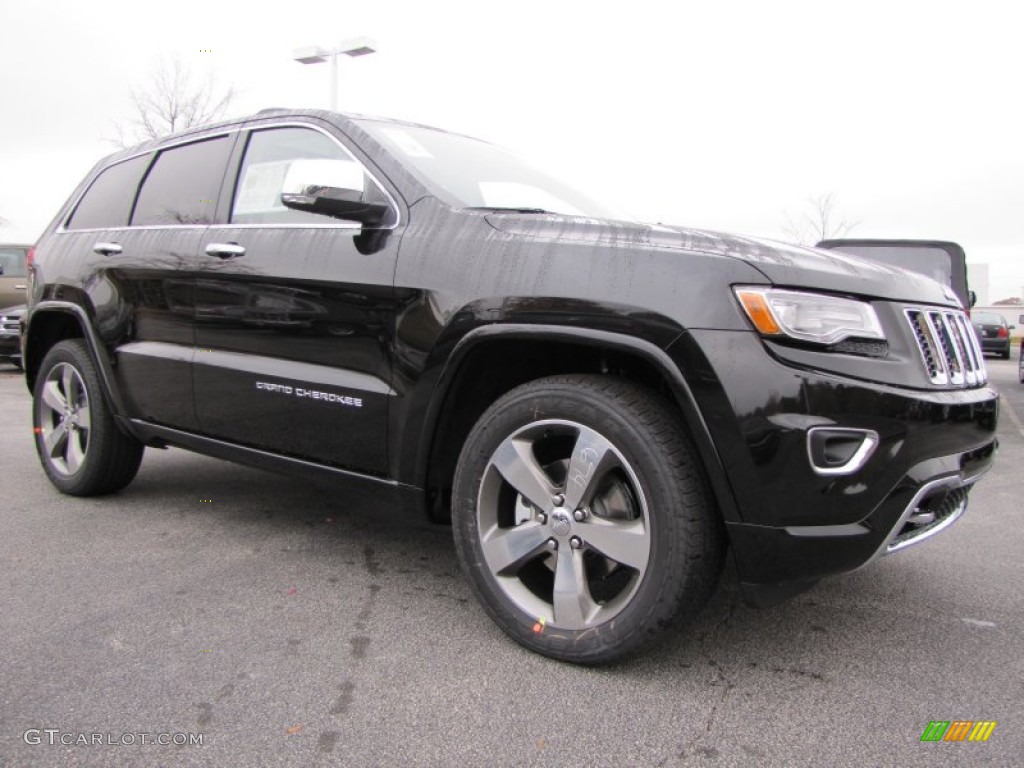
x=50, y=322
x=530, y=351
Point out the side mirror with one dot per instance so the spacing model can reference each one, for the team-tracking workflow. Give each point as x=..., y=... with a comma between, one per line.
x=1010, y=327
x=973, y=297
x=332, y=188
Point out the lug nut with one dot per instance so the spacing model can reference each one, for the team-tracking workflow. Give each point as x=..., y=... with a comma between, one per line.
x=579, y=514
x=542, y=518
x=558, y=499
x=552, y=545
x=575, y=542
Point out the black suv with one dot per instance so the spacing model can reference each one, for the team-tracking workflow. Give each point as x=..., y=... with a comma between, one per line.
x=600, y=406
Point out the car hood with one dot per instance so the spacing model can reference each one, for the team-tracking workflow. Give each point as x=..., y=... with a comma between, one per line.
x=782, y=264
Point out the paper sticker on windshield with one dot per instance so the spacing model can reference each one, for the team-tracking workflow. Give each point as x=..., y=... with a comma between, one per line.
x=407, y=143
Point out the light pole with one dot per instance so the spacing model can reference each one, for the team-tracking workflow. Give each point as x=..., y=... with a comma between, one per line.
x=357, y=46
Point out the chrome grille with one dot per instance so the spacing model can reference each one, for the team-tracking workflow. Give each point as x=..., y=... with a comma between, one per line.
x=949, y=349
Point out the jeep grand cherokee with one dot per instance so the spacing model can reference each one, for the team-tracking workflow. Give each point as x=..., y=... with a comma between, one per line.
x=600, y=406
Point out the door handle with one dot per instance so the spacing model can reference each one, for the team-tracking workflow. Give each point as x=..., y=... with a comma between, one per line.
x=225, y=250
x=21, y=287
x=107, y=249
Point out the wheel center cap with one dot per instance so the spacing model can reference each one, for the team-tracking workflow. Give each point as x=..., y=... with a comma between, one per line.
x=561, y=522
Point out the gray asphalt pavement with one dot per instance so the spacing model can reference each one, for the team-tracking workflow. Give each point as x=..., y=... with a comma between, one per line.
x=292, y=625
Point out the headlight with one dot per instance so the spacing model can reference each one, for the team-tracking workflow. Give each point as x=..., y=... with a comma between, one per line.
x=810, y=317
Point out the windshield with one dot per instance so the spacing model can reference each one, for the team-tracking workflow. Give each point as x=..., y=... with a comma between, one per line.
x=475, y=174
x=984, y=318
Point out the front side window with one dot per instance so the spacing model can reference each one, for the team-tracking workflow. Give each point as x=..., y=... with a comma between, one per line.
x=276, y=156
x=183, y=184
x=108, y=201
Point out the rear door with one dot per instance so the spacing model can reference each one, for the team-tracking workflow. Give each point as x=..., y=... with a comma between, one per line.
x=160, y=254
x=295, y=312
x=135, y=233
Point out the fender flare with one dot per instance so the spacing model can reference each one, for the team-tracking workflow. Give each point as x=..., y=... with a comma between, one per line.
x=683, y=395
x=97, y=351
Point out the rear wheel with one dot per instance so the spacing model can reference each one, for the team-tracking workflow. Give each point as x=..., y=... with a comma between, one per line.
x=582, y=518
x=81, y=449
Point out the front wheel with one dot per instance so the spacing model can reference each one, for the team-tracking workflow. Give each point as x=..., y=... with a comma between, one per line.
x=582, y=518
x=80, y=447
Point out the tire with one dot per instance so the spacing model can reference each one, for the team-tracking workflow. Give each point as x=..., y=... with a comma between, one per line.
x=648, y=550
x=79, y=445
x=1005, y=355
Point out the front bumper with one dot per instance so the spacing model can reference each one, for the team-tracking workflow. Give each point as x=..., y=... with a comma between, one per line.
x=10, y=346
x=794, y=525
x=777, y=562
x=995, y=346
x=10, y=333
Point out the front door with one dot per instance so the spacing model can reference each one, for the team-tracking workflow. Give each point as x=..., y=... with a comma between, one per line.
x=294, y=316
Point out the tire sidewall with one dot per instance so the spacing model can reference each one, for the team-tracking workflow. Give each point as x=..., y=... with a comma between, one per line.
x=645, y=613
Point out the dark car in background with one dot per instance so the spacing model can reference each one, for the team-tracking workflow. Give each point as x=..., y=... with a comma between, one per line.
x=10, y=334
x=993, y=333
x=13, y=275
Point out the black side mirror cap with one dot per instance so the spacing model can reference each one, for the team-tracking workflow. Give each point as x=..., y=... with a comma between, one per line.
x=336, y=202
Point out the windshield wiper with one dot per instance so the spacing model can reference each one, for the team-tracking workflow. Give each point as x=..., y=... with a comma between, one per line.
x=502, y=209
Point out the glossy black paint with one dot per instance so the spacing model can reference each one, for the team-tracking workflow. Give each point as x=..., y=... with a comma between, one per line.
x=426, y=322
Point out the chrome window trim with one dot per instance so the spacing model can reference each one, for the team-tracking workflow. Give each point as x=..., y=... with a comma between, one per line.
x=287, y=123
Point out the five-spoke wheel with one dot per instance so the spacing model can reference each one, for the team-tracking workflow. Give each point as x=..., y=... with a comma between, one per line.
x=82, y=450
x=582, y=518
x=64, y=418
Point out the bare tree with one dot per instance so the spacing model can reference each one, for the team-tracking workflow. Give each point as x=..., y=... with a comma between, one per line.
x=172, y=100
x=819, y=221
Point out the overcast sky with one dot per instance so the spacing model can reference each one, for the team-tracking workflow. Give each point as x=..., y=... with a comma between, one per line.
x=724, y=115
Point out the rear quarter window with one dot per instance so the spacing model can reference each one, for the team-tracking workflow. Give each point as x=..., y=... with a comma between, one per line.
x=108, y=200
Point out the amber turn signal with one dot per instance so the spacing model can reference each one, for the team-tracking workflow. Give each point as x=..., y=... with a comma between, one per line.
x=756, y=307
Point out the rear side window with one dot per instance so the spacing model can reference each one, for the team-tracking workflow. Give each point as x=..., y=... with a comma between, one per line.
x=108, y=201
x=13, y=261
x=183, y=184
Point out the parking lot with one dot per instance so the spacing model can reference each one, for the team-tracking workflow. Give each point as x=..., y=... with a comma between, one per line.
x=290, y=624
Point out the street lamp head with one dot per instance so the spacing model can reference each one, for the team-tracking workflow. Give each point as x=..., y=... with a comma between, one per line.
x=311, y=54
x=357, y=46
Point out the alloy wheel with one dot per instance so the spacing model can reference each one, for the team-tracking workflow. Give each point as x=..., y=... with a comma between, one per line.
x=563, y=524
x=65, y=419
